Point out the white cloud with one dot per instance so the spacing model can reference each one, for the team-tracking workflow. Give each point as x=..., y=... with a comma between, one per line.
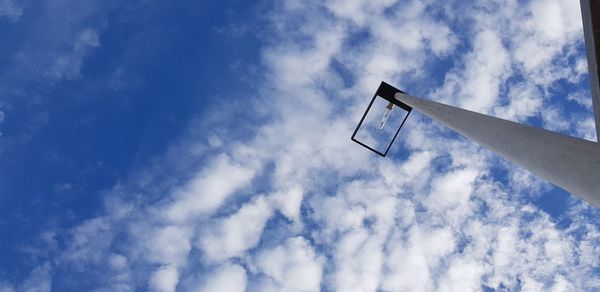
x=555, y=20
x=486, y=68
x=209, y=189
x=293, y=266
x=561, y=284
x=289, y=202
x=227, y=278
x=409, y=264
x=87, y=240
x=358, y=11
x=233, y=235
x=169, y=245
x=39, y=280
x=452, y=192
x=463, y=274
x=552, y=117
x=6, y=287
x=117, y=261
x=10, y=10
x=412, y=29
x=56, y=46
x=358, y=262
x=57, y=64
x=531, y=284
x=68, y=65
x=581, y=98
x=164, y=279
x=525, y=101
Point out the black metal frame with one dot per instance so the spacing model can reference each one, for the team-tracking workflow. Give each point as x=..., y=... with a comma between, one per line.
x=387, y=92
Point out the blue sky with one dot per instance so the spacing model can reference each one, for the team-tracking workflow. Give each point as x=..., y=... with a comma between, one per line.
x=205, y=146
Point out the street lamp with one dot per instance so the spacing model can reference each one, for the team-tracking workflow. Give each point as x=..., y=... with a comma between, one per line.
x=568, y=162
x=376, y=130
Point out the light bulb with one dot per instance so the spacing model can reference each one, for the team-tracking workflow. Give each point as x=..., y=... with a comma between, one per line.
x=388, y=109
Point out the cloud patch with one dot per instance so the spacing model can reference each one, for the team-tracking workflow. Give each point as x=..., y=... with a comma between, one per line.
x=10, y=10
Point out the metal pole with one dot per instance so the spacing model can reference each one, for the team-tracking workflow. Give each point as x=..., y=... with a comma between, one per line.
x=590, y=14
x=568, y=162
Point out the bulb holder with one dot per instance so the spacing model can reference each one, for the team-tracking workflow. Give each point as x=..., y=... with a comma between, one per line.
x=367, y=132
